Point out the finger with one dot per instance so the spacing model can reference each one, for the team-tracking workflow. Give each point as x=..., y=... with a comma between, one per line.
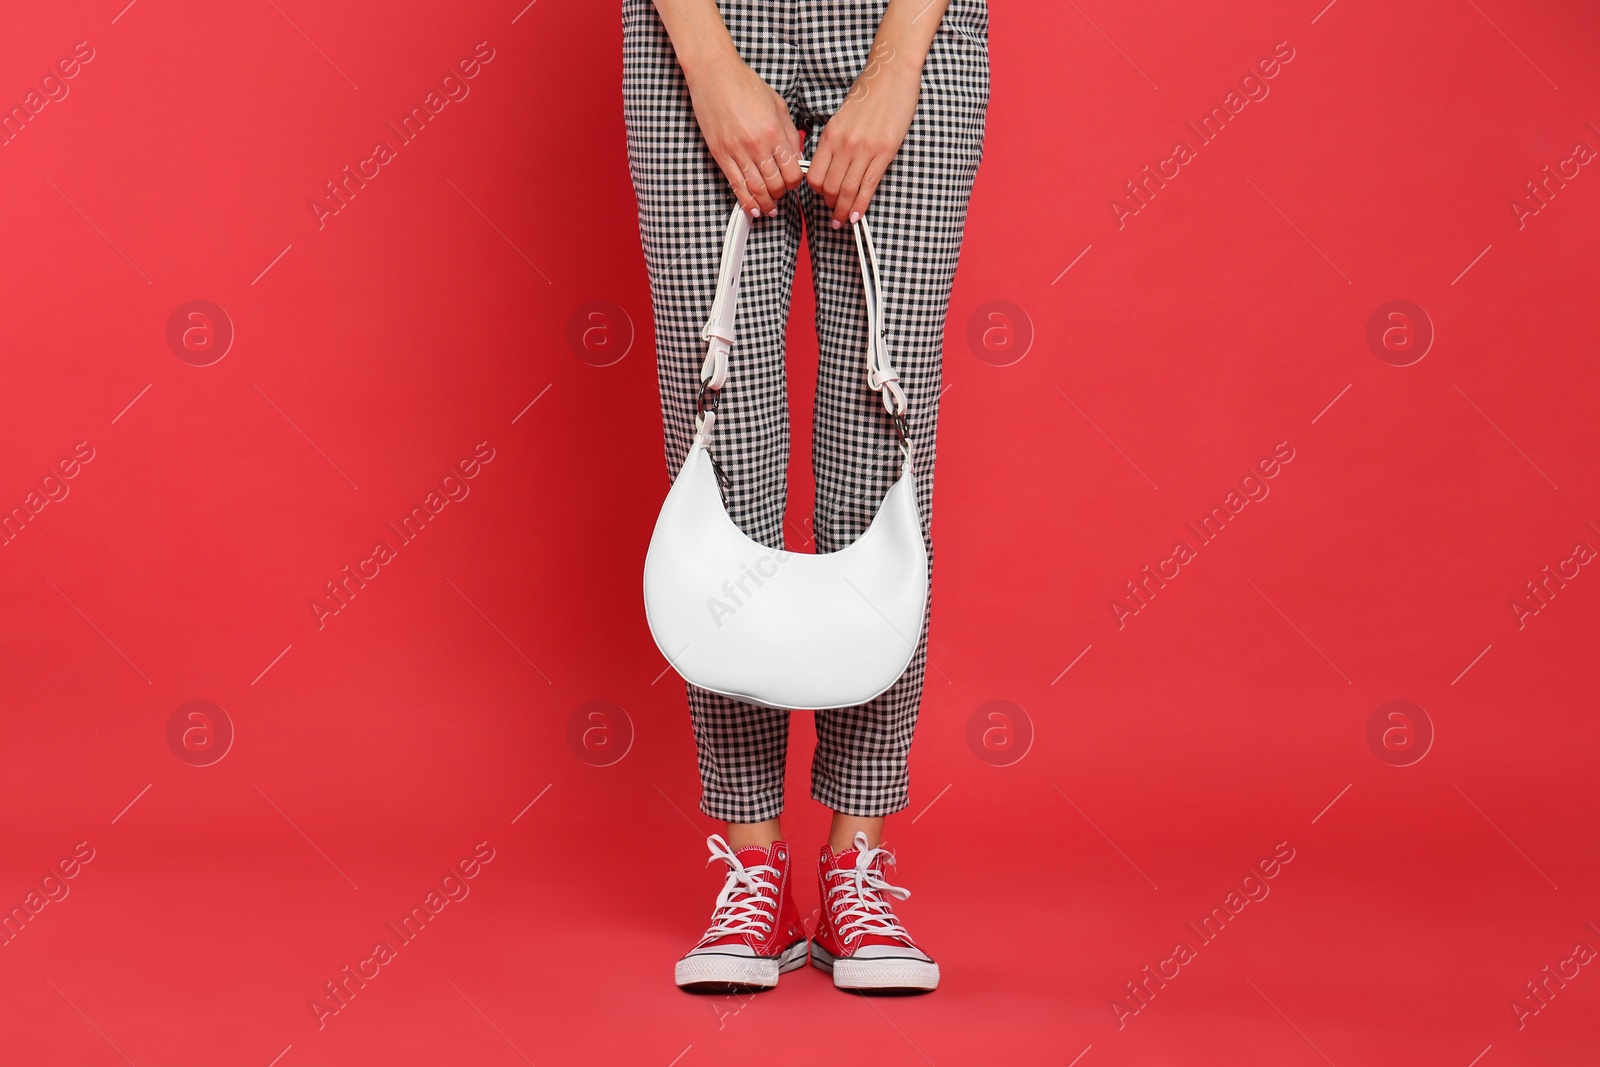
x=869, y=186
x=838, y=166
x=772, y=174
x=787, y=152
x=787, y=156
x=730, y=170
x=818, y=171
x=849, y=188
x=758, y=187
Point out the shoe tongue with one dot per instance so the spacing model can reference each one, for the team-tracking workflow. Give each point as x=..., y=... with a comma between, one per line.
x=756, y=856
x=847, y=859
x=752, y=855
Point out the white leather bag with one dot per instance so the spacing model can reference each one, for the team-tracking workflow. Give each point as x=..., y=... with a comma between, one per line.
x=776, y=628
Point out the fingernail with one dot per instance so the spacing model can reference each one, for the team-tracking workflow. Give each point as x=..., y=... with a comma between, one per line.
x=855, y=216
x=772, y=214
x=836, y=224
x=755, y=213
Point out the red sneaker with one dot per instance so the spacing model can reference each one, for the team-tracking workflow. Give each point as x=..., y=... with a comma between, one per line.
x=755, y=933
x=858, y=938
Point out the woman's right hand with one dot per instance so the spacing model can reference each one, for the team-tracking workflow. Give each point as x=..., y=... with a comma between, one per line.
x=747, y=127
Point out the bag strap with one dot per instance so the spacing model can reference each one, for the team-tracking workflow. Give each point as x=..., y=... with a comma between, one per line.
x=719, y=331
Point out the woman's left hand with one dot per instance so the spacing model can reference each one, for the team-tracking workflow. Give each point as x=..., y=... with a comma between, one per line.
x=861, y=140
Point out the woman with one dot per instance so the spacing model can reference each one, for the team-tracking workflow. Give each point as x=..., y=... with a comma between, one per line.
x=888, y=100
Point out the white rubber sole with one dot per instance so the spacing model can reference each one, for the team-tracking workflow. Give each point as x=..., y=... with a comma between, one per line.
x=878, y=974
x=718, y=969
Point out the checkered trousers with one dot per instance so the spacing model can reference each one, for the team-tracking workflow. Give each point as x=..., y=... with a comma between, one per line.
x=810, y=52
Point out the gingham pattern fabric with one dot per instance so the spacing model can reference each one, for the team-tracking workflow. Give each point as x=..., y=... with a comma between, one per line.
x=810, y=53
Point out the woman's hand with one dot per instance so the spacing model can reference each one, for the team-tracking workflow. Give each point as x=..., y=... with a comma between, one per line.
x=861, y=140
x=747, y=127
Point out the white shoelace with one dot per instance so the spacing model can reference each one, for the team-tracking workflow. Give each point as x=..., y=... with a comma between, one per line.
x=855, y=900
x=743, y=906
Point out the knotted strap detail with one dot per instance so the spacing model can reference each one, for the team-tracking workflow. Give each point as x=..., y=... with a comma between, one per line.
x=719, y=333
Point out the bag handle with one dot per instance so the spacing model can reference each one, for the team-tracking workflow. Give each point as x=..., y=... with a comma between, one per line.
x=719, y=332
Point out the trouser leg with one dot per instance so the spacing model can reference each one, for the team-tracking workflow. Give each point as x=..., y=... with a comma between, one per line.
x=684, y=205
x=917, y=218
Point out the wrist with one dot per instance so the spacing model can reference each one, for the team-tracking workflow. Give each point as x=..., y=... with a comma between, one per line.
x=891, y=63
x=705, y=61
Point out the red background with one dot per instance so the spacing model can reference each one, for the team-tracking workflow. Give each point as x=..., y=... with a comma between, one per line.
x=1230, y=714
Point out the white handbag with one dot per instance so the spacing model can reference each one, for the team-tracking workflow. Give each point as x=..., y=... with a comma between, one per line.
x=766, y=626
